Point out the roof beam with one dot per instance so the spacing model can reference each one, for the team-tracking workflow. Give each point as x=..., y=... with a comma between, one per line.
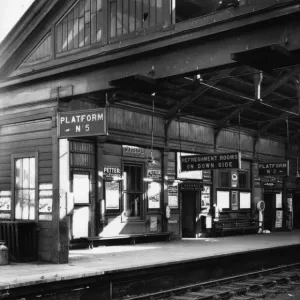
x=271, y=88
x=198, y=93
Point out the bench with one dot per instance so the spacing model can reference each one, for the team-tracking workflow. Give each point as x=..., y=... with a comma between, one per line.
x=232, y=224
x=128, y=238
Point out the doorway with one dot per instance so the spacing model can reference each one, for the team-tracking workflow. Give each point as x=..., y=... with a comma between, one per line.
x=189, y=214
x=269, y=212
x=296, y=211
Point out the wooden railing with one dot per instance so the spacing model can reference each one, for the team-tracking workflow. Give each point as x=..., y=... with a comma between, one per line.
x=20, y=238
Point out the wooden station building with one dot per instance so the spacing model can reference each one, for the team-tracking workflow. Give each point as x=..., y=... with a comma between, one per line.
x=121, y=117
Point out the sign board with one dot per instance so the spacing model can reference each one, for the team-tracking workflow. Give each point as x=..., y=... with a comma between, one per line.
x=111, y=172
x=211, y=161
x=194, y=186
x=181, y=174
x=81, y=123
x=274, y=168
x=278, y=221
x=133, y=151
x=173, y=196
x=112, y=195
x=154, y=173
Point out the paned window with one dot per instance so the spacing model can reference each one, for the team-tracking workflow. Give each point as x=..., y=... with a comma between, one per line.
x=224, y=179
x=133, y=190
x=244, y=180
x=128, y=16
x=25, y=187
x=81, y=26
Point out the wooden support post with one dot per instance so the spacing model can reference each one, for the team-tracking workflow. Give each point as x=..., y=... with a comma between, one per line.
x=100, y=210
x=56, y=198
x=165, y=156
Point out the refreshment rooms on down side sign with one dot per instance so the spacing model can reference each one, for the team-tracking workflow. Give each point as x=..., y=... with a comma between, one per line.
x=82, y=123
x=211, y=161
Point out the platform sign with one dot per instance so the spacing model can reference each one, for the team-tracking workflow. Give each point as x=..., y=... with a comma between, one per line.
x=82, y=123
x=211, y=161
x=280, y=168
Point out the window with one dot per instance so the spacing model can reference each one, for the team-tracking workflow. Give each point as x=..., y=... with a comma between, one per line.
x=243, y=180
x=25, y=186
x=224, y=179
x=82, y=26
x=133, y=190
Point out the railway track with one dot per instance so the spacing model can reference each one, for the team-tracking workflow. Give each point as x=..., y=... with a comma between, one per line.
x=250, y=286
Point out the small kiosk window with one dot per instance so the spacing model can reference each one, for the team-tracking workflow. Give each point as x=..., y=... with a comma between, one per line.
x=245, y=200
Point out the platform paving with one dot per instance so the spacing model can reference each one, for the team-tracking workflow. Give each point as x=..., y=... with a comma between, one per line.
x=111, y=259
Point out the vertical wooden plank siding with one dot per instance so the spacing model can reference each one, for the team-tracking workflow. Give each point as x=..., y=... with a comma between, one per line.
x=59, y=37
x=146, y=12
x=131, y=15
x=152, y=13
x=125, y=24
x=138, y=15
x=113, y=19
x=119, y=17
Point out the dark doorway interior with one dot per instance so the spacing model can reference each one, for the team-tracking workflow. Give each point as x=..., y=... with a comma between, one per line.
x=269, y=212
x=188, y=214
x=296, y=211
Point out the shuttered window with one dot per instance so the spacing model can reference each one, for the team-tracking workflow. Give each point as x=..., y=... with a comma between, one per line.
x=81, y=26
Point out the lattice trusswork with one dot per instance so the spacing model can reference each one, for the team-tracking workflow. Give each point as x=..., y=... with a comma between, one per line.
x=81, y=26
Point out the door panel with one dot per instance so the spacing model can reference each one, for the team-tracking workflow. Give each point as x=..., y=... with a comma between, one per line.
x=188, y=214
x=269, y=212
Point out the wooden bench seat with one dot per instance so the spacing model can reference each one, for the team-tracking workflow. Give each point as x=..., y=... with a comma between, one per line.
x=233, y=224
x=130, y=238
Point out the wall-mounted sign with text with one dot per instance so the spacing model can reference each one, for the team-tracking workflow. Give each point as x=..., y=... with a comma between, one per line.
x=133, y=151
x=154, y=173
x=211, y=161
x=111, y=172
x=82, y=123
x=192, y=186
x=274, y=168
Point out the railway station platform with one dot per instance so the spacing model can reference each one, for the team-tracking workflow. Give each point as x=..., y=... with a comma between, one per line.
x=138, y=268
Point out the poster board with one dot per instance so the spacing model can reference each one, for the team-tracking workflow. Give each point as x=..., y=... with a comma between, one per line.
x=81, y=188
x=223, y=199
x=173, y=196
x=205, y=197
x=279, y=200
x=154, y=192
x=112, y=194
x=245, y=200
x=278, y=222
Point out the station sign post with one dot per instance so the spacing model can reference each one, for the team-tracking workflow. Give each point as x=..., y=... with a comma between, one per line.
x=82, y=123
x=280, y=168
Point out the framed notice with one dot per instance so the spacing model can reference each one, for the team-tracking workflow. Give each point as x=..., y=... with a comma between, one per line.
x=205, y=197
x=81, y=188
x=223, y=199
x=112, y=195
x=153, y=223
x=154, y=191
x=5, y=200
x=173, y=196
x=245, y=200
x=278, y=222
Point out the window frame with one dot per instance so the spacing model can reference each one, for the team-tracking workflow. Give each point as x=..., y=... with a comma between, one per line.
x=140, y=218
x=14, y=157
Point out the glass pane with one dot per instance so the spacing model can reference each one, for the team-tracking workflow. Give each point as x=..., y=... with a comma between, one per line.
x=224, y=179
x=26, y=173
x=113, y=20
x=25, y=204
x=132, y=205
x=32, y=205
x=18, y=172
x=32, y=173
x=18, y=201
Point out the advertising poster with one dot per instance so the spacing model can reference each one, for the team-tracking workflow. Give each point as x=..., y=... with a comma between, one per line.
x=173, y=196
x=205, y=197
x=154, y=191
x=278, y=223
x=112, y=195
x=153, y=223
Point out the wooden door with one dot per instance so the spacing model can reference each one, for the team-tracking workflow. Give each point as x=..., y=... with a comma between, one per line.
x=188, y=214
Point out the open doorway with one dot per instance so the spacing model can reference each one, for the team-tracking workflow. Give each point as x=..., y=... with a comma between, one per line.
x=269, y=212
x=189, y=214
